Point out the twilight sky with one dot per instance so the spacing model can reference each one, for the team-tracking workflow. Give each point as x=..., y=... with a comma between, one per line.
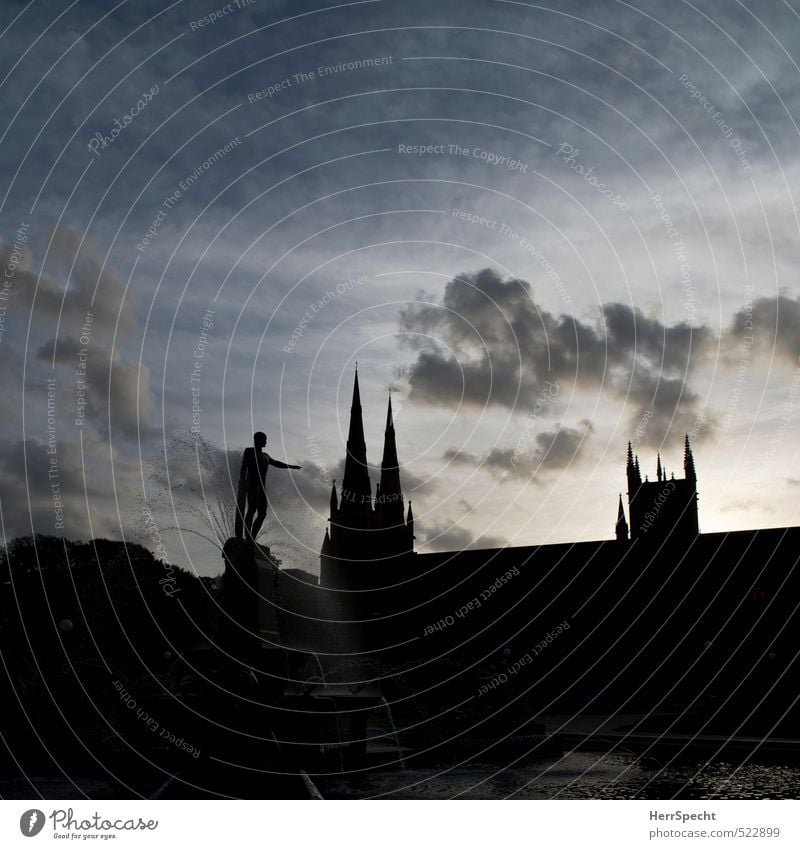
x=548, y=229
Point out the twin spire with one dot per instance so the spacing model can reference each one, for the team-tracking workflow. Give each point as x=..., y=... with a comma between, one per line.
x=356, y=489
x=366, y=530
x=356, y=492
x=390, y=493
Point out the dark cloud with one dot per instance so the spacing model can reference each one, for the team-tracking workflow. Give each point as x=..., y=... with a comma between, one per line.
x=97, y=499
x=498, y=460
x=558, y=449
x=118, y=394
x=82, y=299
x=535, y=455
x=77, y=279
x=489, y=343
x=773, y=325
x=54, y=491
x=667, y=348
x=669, y=408
x=459, y=456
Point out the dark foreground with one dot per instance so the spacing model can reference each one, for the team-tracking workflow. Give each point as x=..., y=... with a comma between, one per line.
x=574, y=775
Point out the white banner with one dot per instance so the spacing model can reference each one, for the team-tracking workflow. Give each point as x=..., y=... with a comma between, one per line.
x=416, y=824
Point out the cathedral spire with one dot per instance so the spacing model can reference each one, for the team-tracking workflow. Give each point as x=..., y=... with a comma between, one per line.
x=391, y=493
x=688, y=463
x=659, y=470
x=390, y=467
x=622, y=524
x=634, y=476
x=356, y=488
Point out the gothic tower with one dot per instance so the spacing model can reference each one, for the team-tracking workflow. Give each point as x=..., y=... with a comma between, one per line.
x=666, y=507
x=364, y=533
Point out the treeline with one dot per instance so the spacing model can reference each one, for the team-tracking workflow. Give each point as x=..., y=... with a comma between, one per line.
x=76, y=617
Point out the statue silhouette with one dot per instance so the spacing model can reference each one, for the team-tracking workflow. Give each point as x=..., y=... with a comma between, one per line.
x=251, y=501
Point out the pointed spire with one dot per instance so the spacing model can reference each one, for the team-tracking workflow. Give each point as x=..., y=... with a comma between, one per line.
x=688, y=462
x=390, y=489
x=632, y=471
x=334, y=499
x=659, y=472
x=356, y=488
x=691, y=477
x=621, y=528
x=410, y=524
x=356, y=402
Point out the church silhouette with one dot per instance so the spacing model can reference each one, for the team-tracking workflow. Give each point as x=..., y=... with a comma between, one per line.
x=657, y=615
x=369, y=536
x=365, y=532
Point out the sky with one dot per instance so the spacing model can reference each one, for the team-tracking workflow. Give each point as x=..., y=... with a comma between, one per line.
x=546, y=229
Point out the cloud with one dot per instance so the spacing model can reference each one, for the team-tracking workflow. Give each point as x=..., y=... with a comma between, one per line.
x=451, y=537
x=71, y=313
x=89, y=285
x=487, y=342
x=498, y=461
x=54, y=491
x=558, y=449
x=83, y=299
x=117, y=392
x=773, y=324
x=461, y=457
x=747, y=506
x=532, y=458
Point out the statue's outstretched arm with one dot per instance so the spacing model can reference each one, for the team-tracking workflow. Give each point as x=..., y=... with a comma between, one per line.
x=279, y=465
